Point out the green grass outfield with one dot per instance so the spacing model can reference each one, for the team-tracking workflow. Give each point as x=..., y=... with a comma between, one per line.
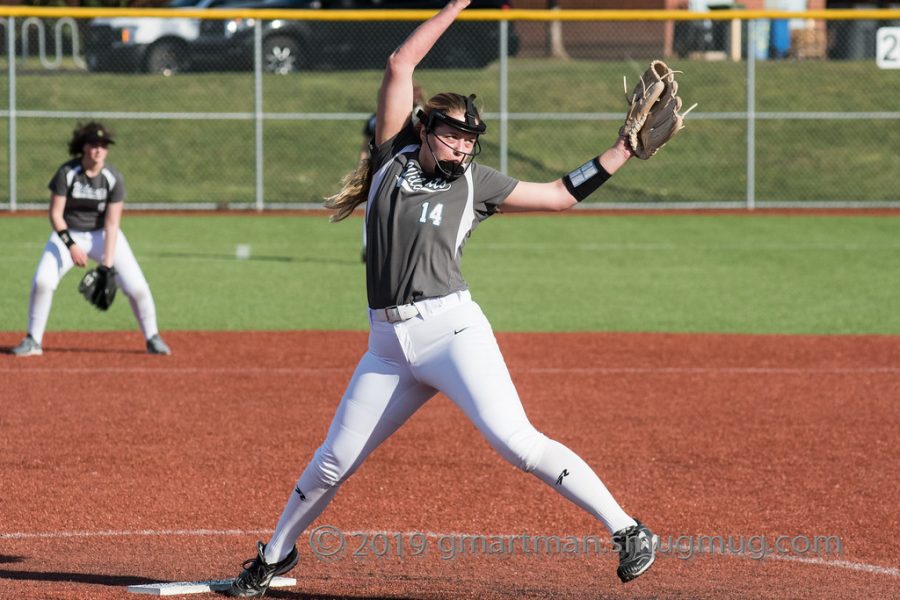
x=666, y=273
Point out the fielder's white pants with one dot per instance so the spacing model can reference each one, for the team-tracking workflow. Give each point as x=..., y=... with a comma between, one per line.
x=450, y=348
x=56, y=261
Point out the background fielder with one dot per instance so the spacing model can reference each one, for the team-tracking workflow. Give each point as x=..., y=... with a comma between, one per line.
x=87, y=196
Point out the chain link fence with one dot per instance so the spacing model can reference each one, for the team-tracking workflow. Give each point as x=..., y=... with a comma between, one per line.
x=261, y=108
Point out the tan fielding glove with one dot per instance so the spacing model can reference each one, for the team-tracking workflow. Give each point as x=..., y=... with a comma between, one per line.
x=653, y=118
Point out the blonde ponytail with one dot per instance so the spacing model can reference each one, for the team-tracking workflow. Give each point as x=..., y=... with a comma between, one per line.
x=355, y=186
x=354, y=191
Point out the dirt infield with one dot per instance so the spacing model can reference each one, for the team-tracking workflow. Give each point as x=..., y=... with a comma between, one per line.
x=121, y=468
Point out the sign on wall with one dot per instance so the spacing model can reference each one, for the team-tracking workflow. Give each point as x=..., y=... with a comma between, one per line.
x=887, y=48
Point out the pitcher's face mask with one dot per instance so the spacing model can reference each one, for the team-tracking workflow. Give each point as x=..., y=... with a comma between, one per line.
x=460, y=136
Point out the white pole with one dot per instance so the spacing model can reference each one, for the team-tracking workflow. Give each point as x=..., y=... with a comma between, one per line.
x=504, y=96
x=11, y=68
x=751, y=114
x=258, y=110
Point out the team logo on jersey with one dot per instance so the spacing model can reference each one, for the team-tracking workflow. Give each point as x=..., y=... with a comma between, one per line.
x=413, y=180
x=86, y=192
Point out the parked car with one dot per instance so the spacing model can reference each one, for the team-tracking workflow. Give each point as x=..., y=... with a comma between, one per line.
x=299, y=45
x=150, y=44
x=288, y=45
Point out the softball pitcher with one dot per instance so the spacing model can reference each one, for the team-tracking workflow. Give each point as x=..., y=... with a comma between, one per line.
x=424, y=195
x=86, y=199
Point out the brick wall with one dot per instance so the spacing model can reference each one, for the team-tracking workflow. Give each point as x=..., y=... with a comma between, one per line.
x=613, y=41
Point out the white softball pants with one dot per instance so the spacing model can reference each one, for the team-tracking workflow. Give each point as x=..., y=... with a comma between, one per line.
x=450, y=348
x=56, y=261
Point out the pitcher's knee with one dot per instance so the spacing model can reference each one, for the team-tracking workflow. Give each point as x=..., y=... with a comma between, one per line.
x=331, y=470
x=524, y=448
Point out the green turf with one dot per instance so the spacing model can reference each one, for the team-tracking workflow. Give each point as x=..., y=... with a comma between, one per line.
x=213, y=160
x=688, y=273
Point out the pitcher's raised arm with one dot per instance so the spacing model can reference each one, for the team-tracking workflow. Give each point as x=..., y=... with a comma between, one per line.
x=396, y=93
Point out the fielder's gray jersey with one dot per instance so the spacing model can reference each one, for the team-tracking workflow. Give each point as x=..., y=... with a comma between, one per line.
x=87, y=197
x=416, y=226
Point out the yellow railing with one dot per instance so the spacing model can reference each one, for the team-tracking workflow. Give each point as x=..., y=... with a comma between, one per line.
x=473, y=15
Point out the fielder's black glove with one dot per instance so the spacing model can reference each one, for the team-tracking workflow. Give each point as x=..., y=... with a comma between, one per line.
x=98, y=286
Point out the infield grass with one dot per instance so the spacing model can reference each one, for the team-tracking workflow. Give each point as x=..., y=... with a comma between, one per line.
x=682, y=273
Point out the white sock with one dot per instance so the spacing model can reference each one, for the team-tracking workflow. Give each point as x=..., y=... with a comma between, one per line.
x=299, y=513
x=568, y=474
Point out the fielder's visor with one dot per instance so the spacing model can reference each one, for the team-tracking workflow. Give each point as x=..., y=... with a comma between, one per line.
x=472, y=124
x=98, y=136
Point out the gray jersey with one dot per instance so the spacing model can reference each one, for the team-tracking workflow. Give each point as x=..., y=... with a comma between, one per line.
x=416, y=226
x=87, y=197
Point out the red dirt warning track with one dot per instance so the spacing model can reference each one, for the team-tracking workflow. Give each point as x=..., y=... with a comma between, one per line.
x=121, y=468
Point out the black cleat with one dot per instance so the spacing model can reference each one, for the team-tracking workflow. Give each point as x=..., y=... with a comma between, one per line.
x=254, y=580
x=637, y=550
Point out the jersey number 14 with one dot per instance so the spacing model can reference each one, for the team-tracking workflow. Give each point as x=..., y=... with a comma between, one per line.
x=434, y=215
